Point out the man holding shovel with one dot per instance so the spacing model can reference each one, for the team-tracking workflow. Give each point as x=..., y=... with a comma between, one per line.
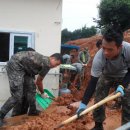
x=26, y=63
x=111, y=65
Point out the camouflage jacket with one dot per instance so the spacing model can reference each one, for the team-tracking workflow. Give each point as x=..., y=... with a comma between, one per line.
x=31, y=62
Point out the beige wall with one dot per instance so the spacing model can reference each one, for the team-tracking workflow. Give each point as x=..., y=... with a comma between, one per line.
x=40, y=16
x=43, y=17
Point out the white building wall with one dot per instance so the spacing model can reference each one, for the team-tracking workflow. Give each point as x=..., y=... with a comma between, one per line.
x=43, y=17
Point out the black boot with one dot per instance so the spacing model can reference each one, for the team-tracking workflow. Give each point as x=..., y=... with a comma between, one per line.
x=2, y=115
x=34, y=113
x=98, y=126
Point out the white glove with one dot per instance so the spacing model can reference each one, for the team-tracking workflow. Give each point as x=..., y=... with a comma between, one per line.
x=38, y=91
x=85, y=65
x=44, y=95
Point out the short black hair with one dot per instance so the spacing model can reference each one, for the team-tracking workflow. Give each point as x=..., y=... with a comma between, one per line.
x=57, y=56
x=113, y=35
x=30, y=49
x=99, y=43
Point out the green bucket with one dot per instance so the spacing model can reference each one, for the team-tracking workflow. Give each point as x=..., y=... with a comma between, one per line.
x=44, y=102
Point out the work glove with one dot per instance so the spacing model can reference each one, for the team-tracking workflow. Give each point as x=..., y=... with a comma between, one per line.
x=120, y=89
x=85, y=65
x=44, y=95
x=81, y=108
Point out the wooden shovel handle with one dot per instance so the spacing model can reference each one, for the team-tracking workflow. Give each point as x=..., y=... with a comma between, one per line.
x=109, y=98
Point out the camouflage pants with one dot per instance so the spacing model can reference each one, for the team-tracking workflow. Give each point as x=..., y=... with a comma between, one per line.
x=28, y=99
x=102, y=90
x=15, y=76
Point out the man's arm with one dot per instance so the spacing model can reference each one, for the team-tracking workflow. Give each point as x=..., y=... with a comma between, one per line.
x=124, y=84
x=87, y=95
x=126, y=79
x=40, y=78
x=90, y=90
x=96, y=71
x=126, y=54
x=39, y=83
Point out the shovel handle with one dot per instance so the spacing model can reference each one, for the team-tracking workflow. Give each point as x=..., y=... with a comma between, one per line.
x=109, y=98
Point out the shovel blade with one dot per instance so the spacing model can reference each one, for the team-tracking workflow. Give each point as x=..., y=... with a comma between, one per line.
x=44, y=102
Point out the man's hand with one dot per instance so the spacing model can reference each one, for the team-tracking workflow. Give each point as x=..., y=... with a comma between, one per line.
x=81, y=108
x=85, y=65
x=120, y=89
x=44, y=95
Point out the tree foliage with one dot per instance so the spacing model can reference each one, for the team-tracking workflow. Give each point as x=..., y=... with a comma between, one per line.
x=114, y=13
x=77, y=34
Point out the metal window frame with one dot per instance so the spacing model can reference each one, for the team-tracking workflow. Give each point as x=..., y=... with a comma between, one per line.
x=17, y=33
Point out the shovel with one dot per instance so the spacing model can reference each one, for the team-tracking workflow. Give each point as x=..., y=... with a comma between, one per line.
x=45, y=102
x=105, y=100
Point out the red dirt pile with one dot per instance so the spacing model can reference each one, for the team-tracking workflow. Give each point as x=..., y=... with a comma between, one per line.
x=51, y=118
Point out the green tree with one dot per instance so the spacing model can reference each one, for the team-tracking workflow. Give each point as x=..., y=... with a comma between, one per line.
x=114, y=13
x=84, y=32
x=88, y=32
x=65, y=35
x=76, y=34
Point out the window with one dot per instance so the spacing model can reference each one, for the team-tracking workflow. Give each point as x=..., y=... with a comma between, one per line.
x=11, y=43
x=20, y=43
x=4, y=47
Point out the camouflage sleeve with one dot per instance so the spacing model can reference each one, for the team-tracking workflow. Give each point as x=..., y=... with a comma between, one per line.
x=89, y=57
x=44, y=71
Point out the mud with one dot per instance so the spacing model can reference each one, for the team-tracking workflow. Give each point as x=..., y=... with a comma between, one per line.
x=65, y=99
x=54, y=115
x=50, y=119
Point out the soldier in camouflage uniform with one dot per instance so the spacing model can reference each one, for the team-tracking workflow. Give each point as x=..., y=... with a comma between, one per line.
x=26, y=63
x=28, y=99
x=110, y=67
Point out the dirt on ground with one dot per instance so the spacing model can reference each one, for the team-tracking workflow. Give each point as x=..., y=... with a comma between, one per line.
x=62, y=110
x=54, y=115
